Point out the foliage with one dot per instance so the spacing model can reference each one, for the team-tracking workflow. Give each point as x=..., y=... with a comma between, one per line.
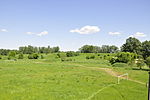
x=97, y=49
x=87, y=57
x=148, y=61
x=42, y=57
x=0, y=57
x=67, y=59
x=35, y=56
x=124, y=57
x=30, y=56
x=140, y=63
x=146, y=49
x=12, y=54
x=4, y=52
x=55, y=49
x=132, y=45
x=20, y=56
x=30, y=49
x=90, y=57
x=71, y=54
x=113, y=60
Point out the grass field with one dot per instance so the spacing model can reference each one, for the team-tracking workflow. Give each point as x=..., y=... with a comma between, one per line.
x=80, y=79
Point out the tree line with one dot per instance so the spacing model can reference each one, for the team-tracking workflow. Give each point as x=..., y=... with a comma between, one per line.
x=132, y=45
x=30, y=50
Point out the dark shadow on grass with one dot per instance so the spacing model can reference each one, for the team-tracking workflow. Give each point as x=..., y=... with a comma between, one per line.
x=141, y=69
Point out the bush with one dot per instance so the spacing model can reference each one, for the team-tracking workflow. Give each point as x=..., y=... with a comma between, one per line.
x=125, y=57
x=140, y=63
x=0, y=57
x=58, y=55
x=113, y=60
x=35, y=56
x=148, y=61
x=87, y=57
x=66, y=59
x=98, y=55
x=12, y=54
x=72, y=53
x=120, y=65
x=30, y=56
x=20, y=56
x=42, y=57
x=92, y=57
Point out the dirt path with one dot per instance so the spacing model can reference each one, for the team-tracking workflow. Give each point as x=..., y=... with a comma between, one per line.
x=116, y=74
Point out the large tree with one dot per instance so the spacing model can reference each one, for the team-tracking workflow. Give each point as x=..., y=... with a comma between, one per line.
x=132, y=45
x=145, y=49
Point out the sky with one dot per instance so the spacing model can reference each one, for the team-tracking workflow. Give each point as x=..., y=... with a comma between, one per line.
x=71, y=24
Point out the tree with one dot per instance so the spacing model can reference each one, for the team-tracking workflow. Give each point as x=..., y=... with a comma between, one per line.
x=113, y=49
x=148, y=61
x=145, y=49
x=55, y=49
x=132, y=45
x=87, y=49
x=125, y=57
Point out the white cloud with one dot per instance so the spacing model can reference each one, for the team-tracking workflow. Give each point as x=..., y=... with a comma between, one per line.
x=3, y=30
x=38, y=34
x=138, y=34
x=86, y=30
x=43, y=33
x=114, y=33
x=30, y=33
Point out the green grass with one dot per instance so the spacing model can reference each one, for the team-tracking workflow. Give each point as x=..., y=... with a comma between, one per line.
x=51, y=79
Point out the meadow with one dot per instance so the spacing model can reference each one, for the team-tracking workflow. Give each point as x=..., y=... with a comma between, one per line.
x=78, y=79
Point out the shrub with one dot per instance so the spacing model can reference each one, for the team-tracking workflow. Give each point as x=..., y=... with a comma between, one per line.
x=125, y=57
x=20, y=56
x=120, y=65
x=12, y=54
x=35, y=56
x=140, y=63
x=30, y=56
x=113, y=60
x=87, y=57
x=148, y=61
x=0, y=57
x=42, y=57
x=58, y=55
x=72, y=53
x=92, y=57
x=8, y=58
x=66, y=59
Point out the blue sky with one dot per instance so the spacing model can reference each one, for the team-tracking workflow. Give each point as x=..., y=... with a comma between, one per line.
x=72, y=23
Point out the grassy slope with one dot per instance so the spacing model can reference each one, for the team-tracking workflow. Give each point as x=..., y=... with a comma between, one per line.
x=54, y=80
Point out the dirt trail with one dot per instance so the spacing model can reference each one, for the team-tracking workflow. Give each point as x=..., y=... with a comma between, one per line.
x=116, y=74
